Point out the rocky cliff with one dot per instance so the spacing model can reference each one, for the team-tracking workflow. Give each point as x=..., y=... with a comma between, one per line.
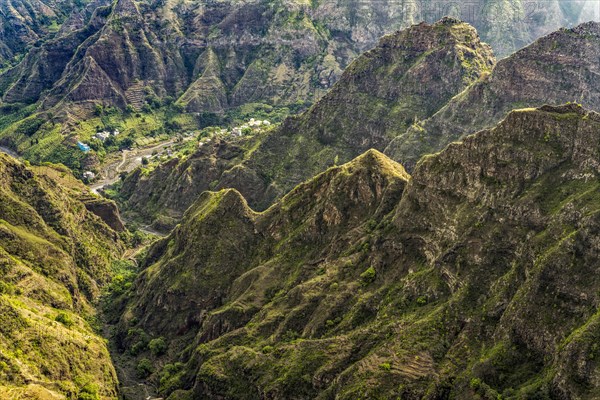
x=474, y=278
x=54, y=257
x=561, y=67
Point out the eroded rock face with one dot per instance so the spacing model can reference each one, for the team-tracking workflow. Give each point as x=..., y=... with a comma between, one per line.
x=107, y=211
x=559, y=68
x=217, y=55
x=473, y=277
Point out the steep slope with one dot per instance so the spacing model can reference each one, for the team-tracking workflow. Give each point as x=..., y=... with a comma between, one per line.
x=54, y=256
x=225, y=54
x=407, y=77
x=475, y=278
x=374, y=109
x=561, y=67
x=24, y=22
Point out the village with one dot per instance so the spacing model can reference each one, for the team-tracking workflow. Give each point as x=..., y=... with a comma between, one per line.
x=161, y=151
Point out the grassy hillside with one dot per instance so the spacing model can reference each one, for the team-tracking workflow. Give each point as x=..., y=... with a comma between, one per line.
x=55, y=255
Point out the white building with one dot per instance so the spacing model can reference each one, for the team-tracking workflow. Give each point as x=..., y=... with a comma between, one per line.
x=237, y=131
x=102, y=135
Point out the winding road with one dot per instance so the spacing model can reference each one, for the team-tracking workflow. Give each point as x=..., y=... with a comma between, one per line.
x=130, y=160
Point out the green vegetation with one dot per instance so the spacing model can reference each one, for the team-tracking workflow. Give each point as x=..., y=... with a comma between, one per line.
x=158, y=346
x=64, y=319
x=337, y=280
x=368, y=276
x=144, y=368
x=53, y=256
x=474, y=279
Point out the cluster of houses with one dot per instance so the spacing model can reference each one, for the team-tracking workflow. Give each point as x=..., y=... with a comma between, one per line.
x=89, y=176
x=252, y=124
x=104, y=135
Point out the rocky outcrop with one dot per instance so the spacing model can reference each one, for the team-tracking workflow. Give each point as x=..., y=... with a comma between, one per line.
x=558, y=68
x=105, y=209
x=473, y=277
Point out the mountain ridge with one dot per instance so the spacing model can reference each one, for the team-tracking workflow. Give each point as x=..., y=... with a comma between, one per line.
x=349, y=120
x=431, y=286
x=557, y=68
x=380, y=92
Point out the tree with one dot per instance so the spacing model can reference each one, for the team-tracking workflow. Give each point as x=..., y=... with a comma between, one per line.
x=144, y=368
x=158, y=346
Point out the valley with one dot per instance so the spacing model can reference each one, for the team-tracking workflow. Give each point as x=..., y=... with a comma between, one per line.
x=299, y=200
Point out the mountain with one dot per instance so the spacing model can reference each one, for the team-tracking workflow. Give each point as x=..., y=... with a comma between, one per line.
x=217, y=55
x=473, y=278
x=153, y=68
x=563, y=66
x=211, y=56
x=23, y=23
x=383, y=101
x=55, y=255
x=408, y=76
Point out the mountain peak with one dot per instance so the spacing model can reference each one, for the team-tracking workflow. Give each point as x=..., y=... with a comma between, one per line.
x=126, y=8
x=374, y=160
x=587, y=28
x=228, y=201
